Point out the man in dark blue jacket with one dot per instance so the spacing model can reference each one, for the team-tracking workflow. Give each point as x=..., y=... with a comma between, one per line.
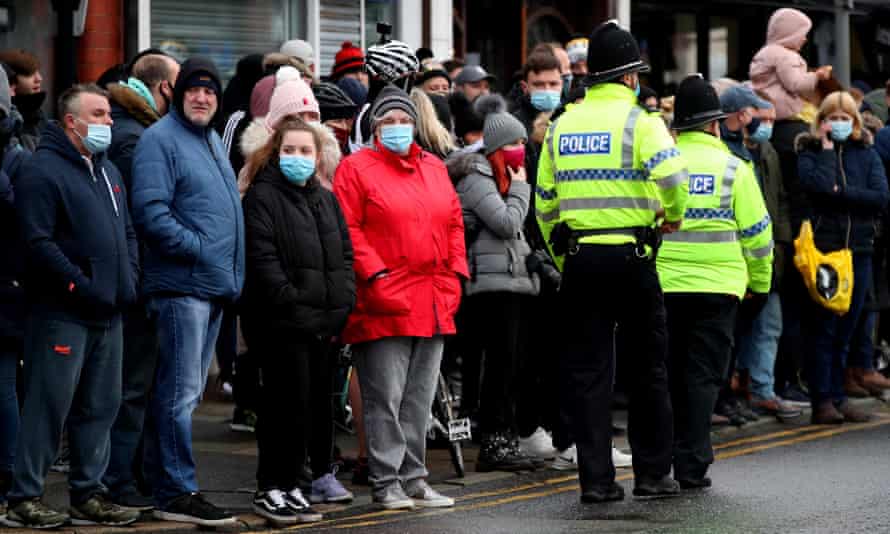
x=136, y=104
x=188, y=212
x=81, y=265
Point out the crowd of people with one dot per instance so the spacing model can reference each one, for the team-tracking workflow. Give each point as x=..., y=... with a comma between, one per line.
x=566, y=242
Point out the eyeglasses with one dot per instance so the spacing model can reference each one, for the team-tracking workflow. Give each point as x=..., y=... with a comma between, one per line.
x=390, y=121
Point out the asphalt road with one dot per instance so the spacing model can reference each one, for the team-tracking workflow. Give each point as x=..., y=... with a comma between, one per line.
x=807, y=479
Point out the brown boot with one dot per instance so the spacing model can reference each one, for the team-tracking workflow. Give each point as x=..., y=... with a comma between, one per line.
x=853, y=414
x=825, y=413
x=852, y=386
x=872, y=380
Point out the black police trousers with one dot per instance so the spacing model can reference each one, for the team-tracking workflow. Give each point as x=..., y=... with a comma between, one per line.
x=701, y=327
x=604, y=287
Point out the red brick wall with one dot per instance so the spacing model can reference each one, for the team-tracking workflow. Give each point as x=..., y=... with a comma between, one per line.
x=102, y=43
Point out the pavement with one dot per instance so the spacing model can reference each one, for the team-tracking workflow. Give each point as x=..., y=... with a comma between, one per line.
x=769, y=477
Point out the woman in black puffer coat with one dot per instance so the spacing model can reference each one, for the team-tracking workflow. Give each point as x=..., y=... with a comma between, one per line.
x=299, y=290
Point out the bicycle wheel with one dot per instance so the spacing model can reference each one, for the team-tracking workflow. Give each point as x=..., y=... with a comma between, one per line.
x=446, y=407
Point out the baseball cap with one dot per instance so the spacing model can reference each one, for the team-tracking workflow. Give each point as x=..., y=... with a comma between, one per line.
x=741, y=96
x=473, y=74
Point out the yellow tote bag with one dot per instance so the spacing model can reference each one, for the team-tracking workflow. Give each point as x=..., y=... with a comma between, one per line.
x=828, y=277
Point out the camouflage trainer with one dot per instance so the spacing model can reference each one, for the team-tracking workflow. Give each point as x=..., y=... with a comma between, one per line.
x=98, y=510
x=33, y=514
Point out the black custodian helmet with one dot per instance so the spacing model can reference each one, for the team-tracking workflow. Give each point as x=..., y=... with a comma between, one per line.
x=612, y=52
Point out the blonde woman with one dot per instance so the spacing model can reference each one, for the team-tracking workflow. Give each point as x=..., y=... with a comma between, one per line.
x=431, y=135
x=846, y=185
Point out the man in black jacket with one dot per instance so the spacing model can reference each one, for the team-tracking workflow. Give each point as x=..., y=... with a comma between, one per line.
x=81, y=265
x=136, y=104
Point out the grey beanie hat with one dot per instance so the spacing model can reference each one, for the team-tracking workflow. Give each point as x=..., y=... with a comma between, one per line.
x=501, y=129
x=5, y=98
x=390, y=98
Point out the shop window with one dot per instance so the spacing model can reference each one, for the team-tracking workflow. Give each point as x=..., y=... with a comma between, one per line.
x=225, y=30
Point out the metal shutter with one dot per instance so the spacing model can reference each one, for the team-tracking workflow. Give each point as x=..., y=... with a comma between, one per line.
x=224, y=30
x=339, y=20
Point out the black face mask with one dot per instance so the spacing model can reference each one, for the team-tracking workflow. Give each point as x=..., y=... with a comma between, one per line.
x=29, y=105
x=752, y=127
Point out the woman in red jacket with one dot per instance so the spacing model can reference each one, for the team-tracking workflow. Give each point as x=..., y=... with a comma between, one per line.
x=406, y=227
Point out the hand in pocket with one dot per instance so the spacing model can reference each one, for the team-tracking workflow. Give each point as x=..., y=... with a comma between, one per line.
x=387, y=297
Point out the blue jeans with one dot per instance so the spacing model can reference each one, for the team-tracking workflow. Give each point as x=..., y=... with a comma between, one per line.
x=187, y=331
x=139, y=361
x=828, y=337
x=72, y=371
x=757, y=349
x=9, y=406
x=862, y=345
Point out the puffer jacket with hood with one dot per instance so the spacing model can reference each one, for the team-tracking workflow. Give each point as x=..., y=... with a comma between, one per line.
x=300, y=277
x=186, y=205
x=498, y=250
x=778, y=68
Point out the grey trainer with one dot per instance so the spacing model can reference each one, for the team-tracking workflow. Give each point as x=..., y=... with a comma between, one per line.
x=393, y=497
x=33, y=514
x=98, y=510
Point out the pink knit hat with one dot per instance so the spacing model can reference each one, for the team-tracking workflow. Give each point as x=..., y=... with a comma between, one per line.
x=291, y=96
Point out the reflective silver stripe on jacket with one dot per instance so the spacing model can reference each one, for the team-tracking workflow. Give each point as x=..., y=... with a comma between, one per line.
x=728, y=179
x=673, y=180
x=761, y=252
x=703, y=237
x=627, y=140
x=609, y=203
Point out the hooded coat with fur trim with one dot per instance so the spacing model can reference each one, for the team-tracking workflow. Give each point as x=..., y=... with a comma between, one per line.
x=856, y=171
x=257, y=135
x=131, y=115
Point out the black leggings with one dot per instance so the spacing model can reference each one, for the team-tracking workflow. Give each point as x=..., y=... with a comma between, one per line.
x=295, y=412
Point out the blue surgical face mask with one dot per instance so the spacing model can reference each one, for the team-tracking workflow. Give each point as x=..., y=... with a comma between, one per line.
x=397, y=137
x=297, y=169
x=637, y=89
x=98, y=137
x=841, y=130
x=763, y=133
x=545, y=100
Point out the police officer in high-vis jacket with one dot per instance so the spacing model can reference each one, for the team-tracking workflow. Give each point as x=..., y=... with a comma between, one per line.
x=608, y=171
x=722, y=255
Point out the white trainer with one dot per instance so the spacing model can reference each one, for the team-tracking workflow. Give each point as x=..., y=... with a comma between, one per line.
x=566, y=460
x=619, y=459
x=538, y=445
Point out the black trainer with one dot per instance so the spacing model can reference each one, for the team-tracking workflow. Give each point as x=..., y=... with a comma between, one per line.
x=194, y=508
x=499, y=453
x=271, y=505
x=295, y=500
x=652, y=487
x=600, y=495
x=694, y=483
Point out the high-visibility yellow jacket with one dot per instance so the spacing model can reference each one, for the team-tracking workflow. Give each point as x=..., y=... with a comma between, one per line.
x=726, y=242
x=608, y=164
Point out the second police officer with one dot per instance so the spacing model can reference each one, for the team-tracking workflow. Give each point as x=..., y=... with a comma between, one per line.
x=609, y=170
x=723, y=254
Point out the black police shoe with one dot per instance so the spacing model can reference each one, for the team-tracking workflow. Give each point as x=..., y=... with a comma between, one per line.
x=656, y=487
x=600, y=495
x=694, y=483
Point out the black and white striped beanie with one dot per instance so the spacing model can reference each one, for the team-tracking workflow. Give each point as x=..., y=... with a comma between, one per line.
x=391, y=61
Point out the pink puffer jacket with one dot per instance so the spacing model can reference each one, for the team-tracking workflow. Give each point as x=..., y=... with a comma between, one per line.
x=778, y=69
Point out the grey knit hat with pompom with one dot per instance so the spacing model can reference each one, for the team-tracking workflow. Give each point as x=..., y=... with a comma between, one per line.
x=501, y=129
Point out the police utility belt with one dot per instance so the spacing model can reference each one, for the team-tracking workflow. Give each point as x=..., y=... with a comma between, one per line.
x=565, y=240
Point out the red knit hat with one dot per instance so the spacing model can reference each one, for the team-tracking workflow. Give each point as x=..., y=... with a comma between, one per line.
x=349, y=58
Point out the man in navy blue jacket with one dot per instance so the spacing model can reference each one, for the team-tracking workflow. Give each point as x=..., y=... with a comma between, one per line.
x=81, y=272
x=188, y=212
